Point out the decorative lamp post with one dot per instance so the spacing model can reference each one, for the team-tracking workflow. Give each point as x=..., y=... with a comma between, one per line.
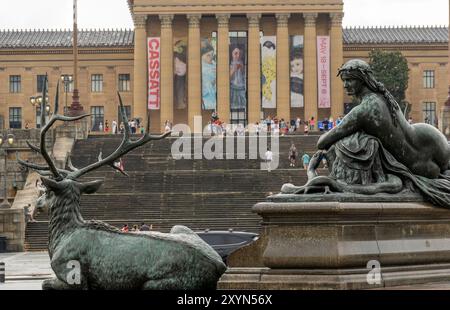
x=39, y=102
x=6, y=143
x=67, y=80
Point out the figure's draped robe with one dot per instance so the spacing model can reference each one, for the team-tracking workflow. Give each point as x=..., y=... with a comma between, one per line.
x=361, y=159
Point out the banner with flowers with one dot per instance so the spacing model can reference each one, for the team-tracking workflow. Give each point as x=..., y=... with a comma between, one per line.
x=269, y=71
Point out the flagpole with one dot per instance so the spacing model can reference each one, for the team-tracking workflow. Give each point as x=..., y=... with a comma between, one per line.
x=75, y=45
x=75, y=108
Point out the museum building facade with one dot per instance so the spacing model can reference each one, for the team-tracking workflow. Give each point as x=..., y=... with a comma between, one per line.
x=245, y=60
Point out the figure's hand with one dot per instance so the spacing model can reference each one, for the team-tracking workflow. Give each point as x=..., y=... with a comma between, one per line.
x=321, y=144
x=316, y=160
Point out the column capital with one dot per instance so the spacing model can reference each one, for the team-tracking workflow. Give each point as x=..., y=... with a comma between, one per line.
x=140, y=21
x=166, y=20
x=310, y=19
x=336, y=19
x=194, y=20
x=282, y=19
x=253, y=20
x=222, y=20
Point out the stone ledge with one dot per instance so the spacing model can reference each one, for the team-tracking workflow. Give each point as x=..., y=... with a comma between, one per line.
x=312, y=245
x=312, y=279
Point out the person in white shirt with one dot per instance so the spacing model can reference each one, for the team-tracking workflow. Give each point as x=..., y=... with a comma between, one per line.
x=269, y=156
x=167, y=128
x=114, y=127
x=297, y=123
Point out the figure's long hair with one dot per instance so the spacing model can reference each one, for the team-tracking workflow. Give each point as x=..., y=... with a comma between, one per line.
x=366, y=75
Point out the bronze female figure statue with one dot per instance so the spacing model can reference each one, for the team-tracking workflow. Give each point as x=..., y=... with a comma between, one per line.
x=375, y=150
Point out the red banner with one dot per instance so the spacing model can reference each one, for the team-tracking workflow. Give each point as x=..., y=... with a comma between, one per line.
x=323, y=71
x=154, y=73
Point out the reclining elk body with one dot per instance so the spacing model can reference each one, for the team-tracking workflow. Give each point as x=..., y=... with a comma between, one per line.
x=95, y=255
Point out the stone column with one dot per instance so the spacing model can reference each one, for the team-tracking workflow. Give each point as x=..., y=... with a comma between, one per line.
x=283, y=89
x=140, y=68
x=194, y=70
x=223, y=68
x=166, y=69
x=254, y=68
x=337, y=60
x=310, y=67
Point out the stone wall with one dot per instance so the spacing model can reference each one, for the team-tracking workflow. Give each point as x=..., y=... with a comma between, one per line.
x=16, y=175
x=12, y=226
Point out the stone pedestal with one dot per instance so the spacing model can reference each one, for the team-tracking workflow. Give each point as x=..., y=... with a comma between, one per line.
x=343, y=245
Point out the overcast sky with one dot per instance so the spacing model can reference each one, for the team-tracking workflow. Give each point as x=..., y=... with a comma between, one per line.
x=57, y=14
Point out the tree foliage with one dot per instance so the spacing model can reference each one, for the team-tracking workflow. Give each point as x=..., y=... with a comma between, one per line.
x=391, y=69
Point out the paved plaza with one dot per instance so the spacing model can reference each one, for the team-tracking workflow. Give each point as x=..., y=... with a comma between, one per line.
x=25, y=271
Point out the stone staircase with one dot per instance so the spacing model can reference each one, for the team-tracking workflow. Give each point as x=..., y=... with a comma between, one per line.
x=161, y=191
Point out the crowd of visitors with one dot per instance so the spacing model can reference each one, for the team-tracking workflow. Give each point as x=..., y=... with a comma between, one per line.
x=273, y=125
x=136, y=228
x=305, y=158
x=116, y=128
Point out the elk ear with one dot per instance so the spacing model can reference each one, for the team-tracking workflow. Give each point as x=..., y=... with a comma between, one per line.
x=90, y=187
x=52, y=184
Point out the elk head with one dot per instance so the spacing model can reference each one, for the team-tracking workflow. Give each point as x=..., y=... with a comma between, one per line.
x=59, y=182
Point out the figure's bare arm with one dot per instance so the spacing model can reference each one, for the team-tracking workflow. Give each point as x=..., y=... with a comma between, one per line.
x=350, y=124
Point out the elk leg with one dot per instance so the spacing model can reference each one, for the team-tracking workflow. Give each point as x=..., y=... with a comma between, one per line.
x=55, y=284
x=161, y=284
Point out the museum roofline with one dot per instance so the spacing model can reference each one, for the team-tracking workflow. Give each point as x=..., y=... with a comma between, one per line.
x=395, y=34
x=373, y=35
x=39, y=38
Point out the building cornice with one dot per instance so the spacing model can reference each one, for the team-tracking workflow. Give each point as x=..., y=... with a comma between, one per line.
x=82, y=51
x=207, y=9
x=401, y=47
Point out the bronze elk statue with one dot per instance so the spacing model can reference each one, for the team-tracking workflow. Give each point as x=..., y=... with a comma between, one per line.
x=94, y=255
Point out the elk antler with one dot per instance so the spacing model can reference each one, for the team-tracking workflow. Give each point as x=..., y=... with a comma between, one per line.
x=58, y=174
x=126, y=146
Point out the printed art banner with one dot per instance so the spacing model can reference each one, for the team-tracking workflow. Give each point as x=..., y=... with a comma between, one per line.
x=238, y=76
x=179, y=75
x=209, y=74
x=296, y=71
x=154, y=60
x=323, y=71
x=269, y=71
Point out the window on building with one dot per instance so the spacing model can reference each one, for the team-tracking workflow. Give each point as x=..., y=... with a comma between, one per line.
x=97, y=83
x=97, y=118
x=15, y=118
x=40, y=83
x=428, y=79
x=68, y=83
x=429, y=113
x=124, y=82
x=238, y=81
x=14, y=84
x=127, y=112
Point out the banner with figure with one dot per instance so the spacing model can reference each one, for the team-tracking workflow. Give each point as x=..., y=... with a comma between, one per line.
x=296, y=71
x=209, y=73
x=153, y=50
x=323, y=71
x=269, y=71
x=179, y=76
x=238, y=73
